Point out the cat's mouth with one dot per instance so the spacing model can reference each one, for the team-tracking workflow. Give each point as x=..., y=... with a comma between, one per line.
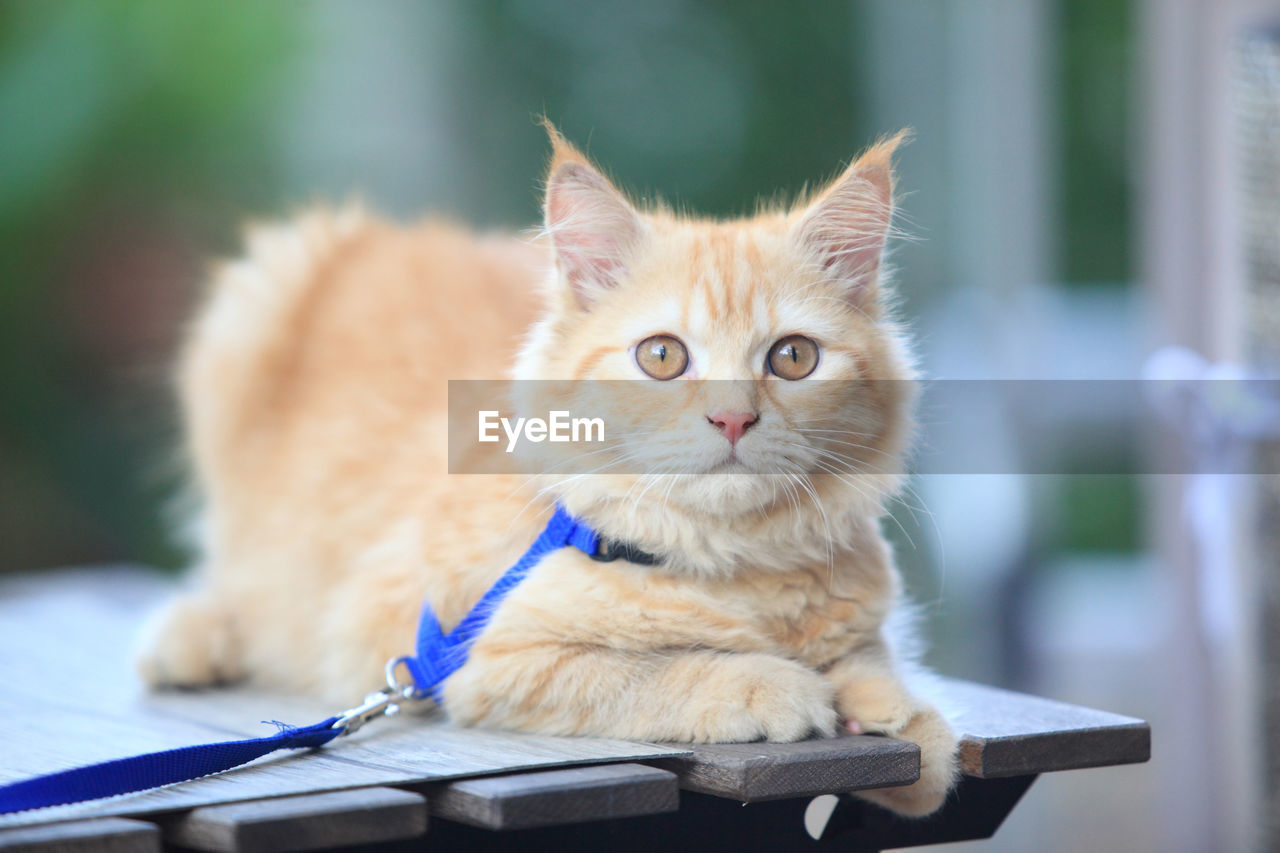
x=731, y=464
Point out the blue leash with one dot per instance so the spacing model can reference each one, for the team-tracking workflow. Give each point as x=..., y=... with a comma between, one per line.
x=439, y=655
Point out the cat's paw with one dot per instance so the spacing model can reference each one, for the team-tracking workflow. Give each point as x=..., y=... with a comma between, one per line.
x=875, y=705
x=938, y=767
x=751, y=697
x=189, y=643
x=700, y=697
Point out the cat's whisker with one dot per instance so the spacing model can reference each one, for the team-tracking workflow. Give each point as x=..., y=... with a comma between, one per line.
x=542, y=492
x=822, y=431
x=937, y=533
x=823, y=453
x=666, y=497
x=653, y=479
x=552, y=487
x=864, y=492
x=642, y=478
x=856, y=445
x=789, y=491
x=851, y=432
x=804, y=482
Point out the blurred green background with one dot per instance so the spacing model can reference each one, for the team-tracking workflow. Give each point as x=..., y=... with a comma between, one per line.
x=136, y=139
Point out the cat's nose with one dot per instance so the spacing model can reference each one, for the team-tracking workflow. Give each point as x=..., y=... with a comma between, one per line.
x=732, y=424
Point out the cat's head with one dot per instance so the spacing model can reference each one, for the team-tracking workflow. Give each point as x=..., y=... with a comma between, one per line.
x=773, y=378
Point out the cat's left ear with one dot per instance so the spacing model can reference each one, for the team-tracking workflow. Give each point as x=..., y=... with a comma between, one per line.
x=593, y=228
x=847, y=225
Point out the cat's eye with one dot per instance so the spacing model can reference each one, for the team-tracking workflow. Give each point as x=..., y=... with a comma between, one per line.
x=793, y=357
x=662, y=357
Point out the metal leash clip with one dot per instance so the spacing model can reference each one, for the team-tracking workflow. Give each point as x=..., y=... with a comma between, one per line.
x=381, y=703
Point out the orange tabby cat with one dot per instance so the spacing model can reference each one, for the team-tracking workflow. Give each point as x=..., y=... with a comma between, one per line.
x=314, y=391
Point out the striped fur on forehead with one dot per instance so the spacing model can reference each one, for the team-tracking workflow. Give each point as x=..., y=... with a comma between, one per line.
x=729, y=290
x=744, y=284
x=724, y=299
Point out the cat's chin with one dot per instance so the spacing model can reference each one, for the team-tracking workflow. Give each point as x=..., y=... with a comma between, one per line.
x=731, y=491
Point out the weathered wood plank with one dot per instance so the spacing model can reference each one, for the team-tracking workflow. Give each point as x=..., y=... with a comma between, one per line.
x=1002, y=734
x=308, y=822
x=752, y=772
x=557, y=797
x=1013, y=734
x=102, y=835
x=69, y=697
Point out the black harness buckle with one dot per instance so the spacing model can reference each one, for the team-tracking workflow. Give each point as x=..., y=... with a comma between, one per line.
x=607, y=551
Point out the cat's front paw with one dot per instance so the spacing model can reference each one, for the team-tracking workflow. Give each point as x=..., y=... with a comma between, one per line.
x=938, y=767
x=875, y=705
x=753, y=697
x=189, y=643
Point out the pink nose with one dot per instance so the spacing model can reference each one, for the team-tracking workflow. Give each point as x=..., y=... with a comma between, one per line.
x=733, y=424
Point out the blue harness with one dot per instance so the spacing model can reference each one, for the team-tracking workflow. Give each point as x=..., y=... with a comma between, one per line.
x=439, y=655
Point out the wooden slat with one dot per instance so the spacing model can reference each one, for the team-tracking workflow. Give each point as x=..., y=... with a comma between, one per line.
x=309, y=822
x=1013, y=734
x=751, y=772
x=557, y=797
x=1002, y=733
x=80, y=625
x=103, y=835
x=76, y=623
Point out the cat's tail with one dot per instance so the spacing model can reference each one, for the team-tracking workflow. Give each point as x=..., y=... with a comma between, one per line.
x=241, y=343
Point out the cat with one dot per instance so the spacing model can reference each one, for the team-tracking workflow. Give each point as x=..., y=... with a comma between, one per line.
x=313, y=385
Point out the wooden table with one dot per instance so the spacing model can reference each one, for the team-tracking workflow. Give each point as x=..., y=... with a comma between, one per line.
x=68, y=697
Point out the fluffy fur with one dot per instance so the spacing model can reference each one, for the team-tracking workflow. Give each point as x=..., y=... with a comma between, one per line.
x=313, y=385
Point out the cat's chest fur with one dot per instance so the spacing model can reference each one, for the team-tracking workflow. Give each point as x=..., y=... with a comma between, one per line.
x=812, y=615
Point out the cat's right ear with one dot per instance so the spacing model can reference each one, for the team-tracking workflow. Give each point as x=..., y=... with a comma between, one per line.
x=593, y=228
